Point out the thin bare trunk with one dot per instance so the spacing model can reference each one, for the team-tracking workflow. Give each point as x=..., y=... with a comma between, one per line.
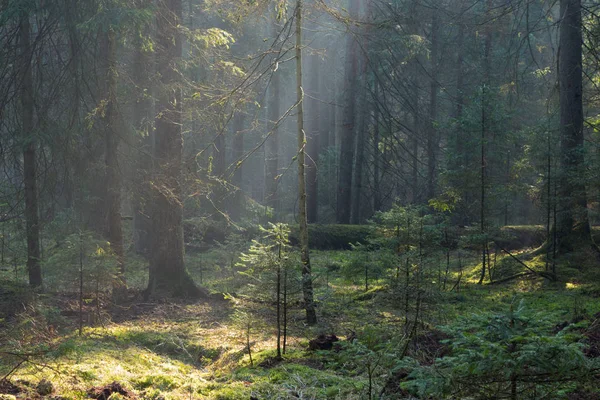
x=272, y=145
x=360, y=157
x=376, y=155
x=313, y=107
x=114, y=230
x=432, y=138
x=307, y=287
x=29, y=158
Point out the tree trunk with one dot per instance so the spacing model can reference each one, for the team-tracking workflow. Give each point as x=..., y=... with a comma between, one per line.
x=237, y=203
x=432, y=138
x=413, y=153
x=142, y=112
x=307, y=288
x=484, y=108
x=114, y=230
x=168, y=275
x=376, y=154
x=29, y=157
x=460, y=137
x=414, y=149
x=344, y=194
x=332, y=134
x=313, y=141
x=572, y=224
x=360, y=155
x=272, y=144
x=75, y=120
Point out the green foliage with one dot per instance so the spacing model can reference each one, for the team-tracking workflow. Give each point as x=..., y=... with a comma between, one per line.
x=494, y=355
x=375, y=353
x=269, y=252
x=265, y=257
x=83, y=250
x=367, y=264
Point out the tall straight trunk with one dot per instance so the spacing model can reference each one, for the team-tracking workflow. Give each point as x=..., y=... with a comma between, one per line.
x=278, y=307
x=75, y=119
x=376, y=154
x=332, y=132
x=307, y=288
x=313, y=106
x=142, y=112
x=572, y=223
x=168, y=275
x=462, y=156
x=484, y=108
x=482, y=186
x=460, y=89
x=432, y=138
x=413, y=155
x=360, y=156
x=32, y=223
x=114, y=230
x=272, y=144
x=414, y=148
x=238, y=152
x=238, y=147
x=344, y=193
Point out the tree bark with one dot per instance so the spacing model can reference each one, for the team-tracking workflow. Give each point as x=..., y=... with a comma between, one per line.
x=29, y=157
x=344, y=193
x=142, y=112
x=432, y=138
x=237, y=203
x=360, y=155
x=376, y=154
x=413, y=153
x=272, y=144
x=312, y=192
x=168, y=275
x=572, y=223
x=484, y=108
x=114, y=230
x=307, y=287
x=75, y=120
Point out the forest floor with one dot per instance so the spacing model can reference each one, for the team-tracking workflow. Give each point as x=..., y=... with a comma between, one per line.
x=198, y=350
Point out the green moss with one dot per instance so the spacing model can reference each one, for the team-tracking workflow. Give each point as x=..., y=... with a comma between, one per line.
x=161, y=382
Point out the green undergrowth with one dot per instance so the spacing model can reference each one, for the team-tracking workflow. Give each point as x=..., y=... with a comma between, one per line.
x=185, y=350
